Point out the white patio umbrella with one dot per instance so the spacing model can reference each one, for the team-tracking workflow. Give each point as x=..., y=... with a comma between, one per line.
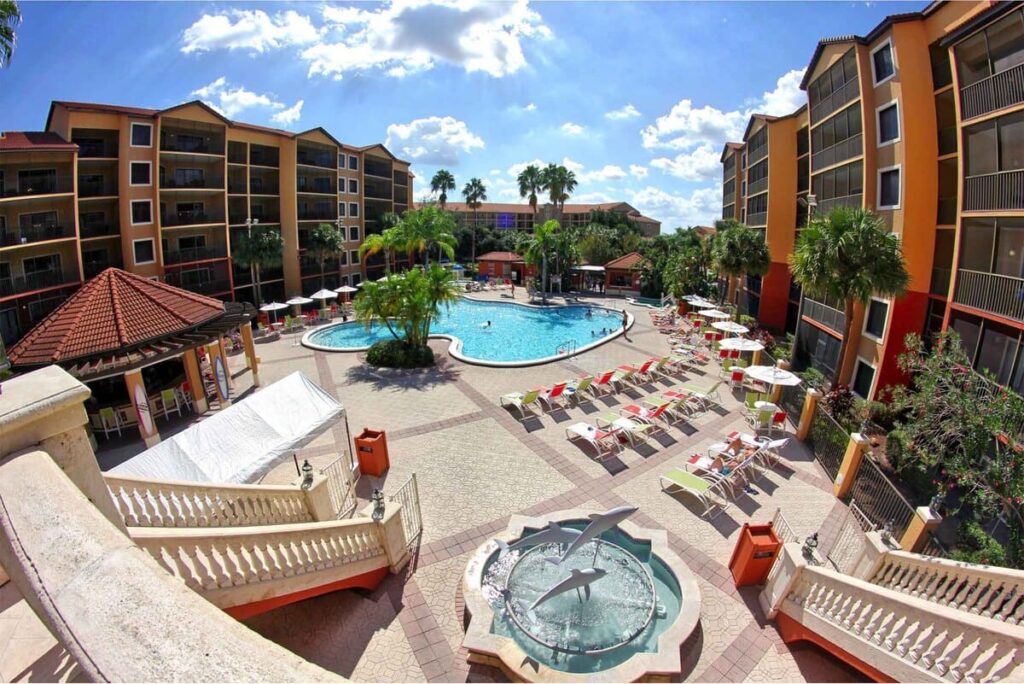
x=730, y=327
x=324, y=294
x=773, y=375
x=298, y=301
x=740, y=344
x=712, y=313
x=273, y=308
x=345, y=291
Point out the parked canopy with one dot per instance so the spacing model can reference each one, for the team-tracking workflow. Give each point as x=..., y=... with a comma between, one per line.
x=244, y=441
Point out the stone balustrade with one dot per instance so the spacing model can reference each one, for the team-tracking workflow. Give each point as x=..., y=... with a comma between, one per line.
x=144, y=502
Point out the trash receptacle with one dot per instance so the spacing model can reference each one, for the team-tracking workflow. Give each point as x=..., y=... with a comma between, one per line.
x=755, y=552
x=372, y=452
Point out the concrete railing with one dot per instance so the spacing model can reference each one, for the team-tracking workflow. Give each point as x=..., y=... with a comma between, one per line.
x=157, y=503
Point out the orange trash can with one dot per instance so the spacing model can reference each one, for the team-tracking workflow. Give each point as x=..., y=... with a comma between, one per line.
x=372, y=452
x=755, y=552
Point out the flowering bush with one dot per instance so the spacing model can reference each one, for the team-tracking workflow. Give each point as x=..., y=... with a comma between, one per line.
x=765, y=338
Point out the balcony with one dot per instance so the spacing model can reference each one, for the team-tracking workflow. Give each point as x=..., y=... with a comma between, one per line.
x=947, y=140
x=206, y=287
x=994, y=191
x=993, y=93
x=833, y=319
x=376, y=168
x=47, y=185
x=99, y=229
x=729, y=211
x=317, y=214
x=758, y=219
x=729, y=198
x=257, y=158
x=182, y=256
x=206, y=182
x=322, y=186
x=940, y=281
x=945, y=214
x=757, y=154
x=998, y=294
x=841, y=151
x=401, y=178
x=190, y=144
x=106, y=187
x=96, y=149
x=261, y=187
x=93, y=267
x=757, y=187
x=827, y=205
x=191, y=218
x=322, y=159
x=36, y=281
x=378, y=193
x=401, y=195
x=29, y=234
x=847, y=93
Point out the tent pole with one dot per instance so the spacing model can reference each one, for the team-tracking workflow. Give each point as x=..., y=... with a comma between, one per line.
x=297, y=470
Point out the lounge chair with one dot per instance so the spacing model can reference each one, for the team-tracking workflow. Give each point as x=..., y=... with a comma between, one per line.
x=576, y=391
x=647, y=415
x=169, y=399
x=110, y=420
x=705, y=396
x=552, y=397
x=678, y=480
x=761, y=419
x=770, y=452
x=778, y=421
x=683, y=404
x=605, y=382
x=605, y=442
x=623, y=375
x=521, y=401
x=636, y=432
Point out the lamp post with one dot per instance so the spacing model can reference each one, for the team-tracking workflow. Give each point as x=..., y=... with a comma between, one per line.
x=378, y=505
x=307, y=474
x=809, y=547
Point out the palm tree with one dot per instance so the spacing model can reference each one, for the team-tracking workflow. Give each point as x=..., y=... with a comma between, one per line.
x=537, y=247
x=475, y=193
x=10, y=17
x=559, y=183
x=848, y=256
x=383, y=242
x=263, y=248
x=738, y=250
x=408, y=302
x=425, y=228
x=442, y=182
x=569, y=184
x=530, y=184
x=326, y=240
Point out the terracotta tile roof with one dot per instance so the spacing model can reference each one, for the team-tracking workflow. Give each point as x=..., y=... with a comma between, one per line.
x=115, y=309
x=629, y=262
x=500, y=256
x=36, y=141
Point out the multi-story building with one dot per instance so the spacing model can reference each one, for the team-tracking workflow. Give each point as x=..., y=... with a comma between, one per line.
x=522, y=217
x=732, y=180
x=883, y=125
x=168, y=193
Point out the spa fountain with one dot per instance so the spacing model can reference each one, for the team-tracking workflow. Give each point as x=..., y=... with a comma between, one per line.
x=579, y=596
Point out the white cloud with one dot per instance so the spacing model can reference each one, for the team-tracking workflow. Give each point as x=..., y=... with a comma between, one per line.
x=253, y=30
x=627, y=112
x=570, y=128
x=530, y=108
x=287, y=117
x=786, y=97
x=638, y=171
x=495, y=172
x=700, y=207
x=572, y=165
x=517, y=169
x=593, y=198
x=686, y=126
x=701, y=163
x=230, y=101
x=607, y=173
x=433, y=140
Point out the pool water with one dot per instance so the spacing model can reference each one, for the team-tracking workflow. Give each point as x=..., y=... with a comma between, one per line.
x=517, y=333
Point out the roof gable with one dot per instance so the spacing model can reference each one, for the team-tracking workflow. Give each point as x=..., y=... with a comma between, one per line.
x=204, y=109
x=627, y=262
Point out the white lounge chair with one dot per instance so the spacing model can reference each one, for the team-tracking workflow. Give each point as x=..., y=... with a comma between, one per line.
x=605, y=442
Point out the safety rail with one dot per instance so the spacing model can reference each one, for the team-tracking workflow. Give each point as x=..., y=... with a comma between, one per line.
x=566, y=348
x=143, y=502
x=408, y=495
x=880, y=499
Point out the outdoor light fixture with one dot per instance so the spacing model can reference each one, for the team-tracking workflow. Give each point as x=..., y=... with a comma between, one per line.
x=810, y=544
x=887, y=532
x=307, y=474
x=378, y=505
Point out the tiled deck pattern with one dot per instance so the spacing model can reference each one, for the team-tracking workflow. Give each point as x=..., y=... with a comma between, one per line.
x=477, y=465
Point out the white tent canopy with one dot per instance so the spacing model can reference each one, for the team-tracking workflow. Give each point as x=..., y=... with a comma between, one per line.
x=244, y=441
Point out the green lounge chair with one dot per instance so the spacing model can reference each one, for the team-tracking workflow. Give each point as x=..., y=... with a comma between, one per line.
x=520, y=401
x=577, y=390
x=678, y=480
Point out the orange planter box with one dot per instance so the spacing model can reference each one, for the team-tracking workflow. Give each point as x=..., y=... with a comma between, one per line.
x=755, y=552
x=372, y=452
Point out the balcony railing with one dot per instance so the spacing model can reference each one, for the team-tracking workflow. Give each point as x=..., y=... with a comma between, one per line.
x=317, y=215
x=325, y=160
x=47, y=185
x=103, y=188
x=729, y=211
x=758, y=186
x=841, y=151
x=206, y=182
x=401, y=178
x=379, y=169
x=238, y=218
x=96, y=150
x=182, y=256
x=324, y=186
x=28, y=234
x=846, y=94
x=757, y=154
x=401, y=196
x=729, y=198
x=93, y=267
x=169, y=142
x=190, y=218
x=995, y=92
x=100, y=229
x=827, y=205
x=258, y=159
x=940, y=281
x=36, y=281
x=208, y=287
x=1000, y=190
x=998, y=294
x=758, y=219
x=824, y=314
x=370, y=192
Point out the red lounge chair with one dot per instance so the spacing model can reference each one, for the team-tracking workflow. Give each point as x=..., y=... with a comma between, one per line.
x=553, y=396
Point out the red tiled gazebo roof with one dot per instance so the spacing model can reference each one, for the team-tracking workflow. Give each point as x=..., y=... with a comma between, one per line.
x=500, y=256
x=113, y=311
x=628, y=262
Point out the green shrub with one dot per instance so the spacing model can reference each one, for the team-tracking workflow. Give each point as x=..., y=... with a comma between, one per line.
x=974, y=545
x=399, y=354
x=814, y=378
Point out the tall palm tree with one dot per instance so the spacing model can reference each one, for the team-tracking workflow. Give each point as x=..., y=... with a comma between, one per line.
x=325, y=241
x=475, y=193
x=384, y=242
x=560, y=183
x=10, y=17
x=422, y=229
x=538, y=246
x=848, y=256
x=569, y=184
x=442, y=182
x=530, y=184
x=264, y=248
x=738, y=250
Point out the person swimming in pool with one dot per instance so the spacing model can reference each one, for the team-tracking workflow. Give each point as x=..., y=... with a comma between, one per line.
x=487, y=324
x=590, y=313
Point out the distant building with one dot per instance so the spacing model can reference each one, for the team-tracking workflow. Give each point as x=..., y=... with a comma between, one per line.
x=521, y=216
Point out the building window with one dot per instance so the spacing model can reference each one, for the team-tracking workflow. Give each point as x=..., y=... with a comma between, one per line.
x=889, y=188
x=144, y=251
x=353, y=209
x=142, y=135
x=341, y=160
x=142, y=212
x=863, y=378
x=341, y=209
x=355, y=257
x=888, y=123
x=341, y=184
x=353, y=162
x=353, y=186
x=882, y=65
x=995, y=145
x=353, y=233
x=874, y=321
x=141, y=173
x=942, y=74
x=343, y=259
x=991, y=51
x=356, y=278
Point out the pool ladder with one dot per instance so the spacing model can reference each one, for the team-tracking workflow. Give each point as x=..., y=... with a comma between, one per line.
x=568, y=348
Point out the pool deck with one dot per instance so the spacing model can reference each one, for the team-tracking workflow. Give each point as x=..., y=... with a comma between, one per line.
x=477, y=465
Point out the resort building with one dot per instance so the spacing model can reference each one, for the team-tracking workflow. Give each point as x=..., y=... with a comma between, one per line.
x=522, y=216
x=166, y=194
x=884, y=119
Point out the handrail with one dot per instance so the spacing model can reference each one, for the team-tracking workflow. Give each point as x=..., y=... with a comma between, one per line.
x=144, y=502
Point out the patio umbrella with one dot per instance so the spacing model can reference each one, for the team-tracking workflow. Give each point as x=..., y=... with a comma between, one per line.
x=324, y=294
x=273, y=308
x=740, y=344
x=730, y=327
x=297, y=301
x=346, y=290
x=773, y=375
x=712, y=313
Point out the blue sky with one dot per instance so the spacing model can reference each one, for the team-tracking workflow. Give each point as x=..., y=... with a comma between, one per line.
x=636, y=98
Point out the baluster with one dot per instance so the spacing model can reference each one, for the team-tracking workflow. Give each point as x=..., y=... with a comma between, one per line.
x=986, y=593
x=950, y=588
x=334, y=550
x=951, y=654
x=272, y=551
x=910, y=635
x=208, y=505
x=929, y=590
x=864, y=618
x=289, y=557
x=938, y=645
x=881, y=629
x=927, y=635
x=973, y=647
x=835, y=601
x=897, y=629
x=1018, y=613
x=149, y=513
x=203, y=567
x=852, y=613
x=987, y=657
x=968, y=598
x=963, y=592
x=877, y=618
x=231, y=563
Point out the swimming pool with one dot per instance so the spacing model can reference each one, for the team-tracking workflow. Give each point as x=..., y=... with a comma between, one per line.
x=518, y=335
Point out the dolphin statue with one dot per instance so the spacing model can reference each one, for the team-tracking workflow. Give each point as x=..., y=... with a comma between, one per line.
x=552, y=534
x=576, y=580
x=599, y=523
